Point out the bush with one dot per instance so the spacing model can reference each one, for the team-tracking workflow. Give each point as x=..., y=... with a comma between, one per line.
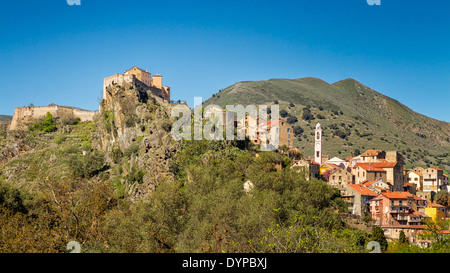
x=291, y=119
x=166, y=126
x=87, y=166
x=46, y=125
x=133, y=149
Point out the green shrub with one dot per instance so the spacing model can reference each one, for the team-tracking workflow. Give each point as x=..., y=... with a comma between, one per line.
x=46, y=125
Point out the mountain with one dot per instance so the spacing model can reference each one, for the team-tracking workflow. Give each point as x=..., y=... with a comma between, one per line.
x=355, y=118
x=5, y=118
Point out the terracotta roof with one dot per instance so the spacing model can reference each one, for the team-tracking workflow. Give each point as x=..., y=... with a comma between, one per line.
x=368, y=183
x=419, y=174
x=312, y=161
x=399, y=195
x=369, y=167
x=408, y=184
x=349, y=158
x=362, y=189
x=416, y=213
x=435, y=205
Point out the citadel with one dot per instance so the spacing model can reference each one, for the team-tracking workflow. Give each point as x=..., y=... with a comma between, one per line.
x=142, y=79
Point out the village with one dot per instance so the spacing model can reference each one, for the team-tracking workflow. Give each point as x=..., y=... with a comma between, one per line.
x=375, y=184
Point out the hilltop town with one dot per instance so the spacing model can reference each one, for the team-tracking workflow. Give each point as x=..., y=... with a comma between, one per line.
x=375, y=184
x=127, y=142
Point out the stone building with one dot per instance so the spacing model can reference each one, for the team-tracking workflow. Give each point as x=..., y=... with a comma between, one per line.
x=23, y=116
x=340, y=178
x=394, y=210
x=310, y=167
x=433, y=179
x=143, y=81
x=368, y=171
x=358, y=196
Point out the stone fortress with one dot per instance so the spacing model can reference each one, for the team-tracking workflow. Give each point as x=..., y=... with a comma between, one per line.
x=26, y=115
x=140, y=77
x=23, y=116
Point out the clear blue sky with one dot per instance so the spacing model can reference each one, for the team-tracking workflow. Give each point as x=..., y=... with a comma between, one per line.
x=51, y=52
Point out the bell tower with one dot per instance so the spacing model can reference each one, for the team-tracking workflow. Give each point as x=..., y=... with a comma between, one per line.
x=318, y=144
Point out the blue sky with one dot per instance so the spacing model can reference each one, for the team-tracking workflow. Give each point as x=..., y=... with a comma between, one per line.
x=51, y=52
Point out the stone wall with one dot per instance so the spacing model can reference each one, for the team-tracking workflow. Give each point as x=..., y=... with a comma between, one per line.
x=4, y=125
x=26, y=115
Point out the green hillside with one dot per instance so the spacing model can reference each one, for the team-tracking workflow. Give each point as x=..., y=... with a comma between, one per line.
x=355, y=118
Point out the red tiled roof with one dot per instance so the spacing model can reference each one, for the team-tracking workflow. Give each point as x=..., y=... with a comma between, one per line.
x=362, y=189
x=312, y=161
x=435, y=205
x=399, y=195
x=419, y=174
x=369, y=167
x=416, y=213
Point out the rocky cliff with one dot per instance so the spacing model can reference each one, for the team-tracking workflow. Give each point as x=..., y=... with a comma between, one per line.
x=136, y=124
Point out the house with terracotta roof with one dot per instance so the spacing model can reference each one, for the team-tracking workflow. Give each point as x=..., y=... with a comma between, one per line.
x=397, y=209
x=358, y=196
x=326, y=168
x=416, y=178
x=378, y=186
x=368, y=171
x=436, y=211
x=433, y=179
x=384, y=170
x=340, y=178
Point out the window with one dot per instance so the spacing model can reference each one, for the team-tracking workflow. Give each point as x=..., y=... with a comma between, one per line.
x=289, y=135
x=288, y=130
x=317, y=154
x=318, y=135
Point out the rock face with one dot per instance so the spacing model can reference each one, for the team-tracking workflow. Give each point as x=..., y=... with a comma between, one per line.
x=134, y=123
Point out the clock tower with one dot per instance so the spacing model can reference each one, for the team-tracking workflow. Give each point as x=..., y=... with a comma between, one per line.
x=318, y=144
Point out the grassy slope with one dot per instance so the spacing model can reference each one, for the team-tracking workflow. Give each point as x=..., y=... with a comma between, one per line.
x=389, y=124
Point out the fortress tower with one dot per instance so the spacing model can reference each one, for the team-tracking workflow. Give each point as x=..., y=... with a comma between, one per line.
x=318, y=144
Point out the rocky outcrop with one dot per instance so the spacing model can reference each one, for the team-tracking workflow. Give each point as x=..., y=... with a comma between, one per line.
x=130, y=124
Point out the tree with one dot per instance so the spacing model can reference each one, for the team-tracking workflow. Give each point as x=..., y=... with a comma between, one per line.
x=297, y=130
x=291, y=119
x=284, y=113
x=378, y=236
x=402, y=238
x=442, y=198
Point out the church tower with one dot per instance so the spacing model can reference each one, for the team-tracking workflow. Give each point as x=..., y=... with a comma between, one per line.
x=318, y=144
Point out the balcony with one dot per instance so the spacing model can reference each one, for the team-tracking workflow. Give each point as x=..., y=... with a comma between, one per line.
x=399, y=209
x=414, y=220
